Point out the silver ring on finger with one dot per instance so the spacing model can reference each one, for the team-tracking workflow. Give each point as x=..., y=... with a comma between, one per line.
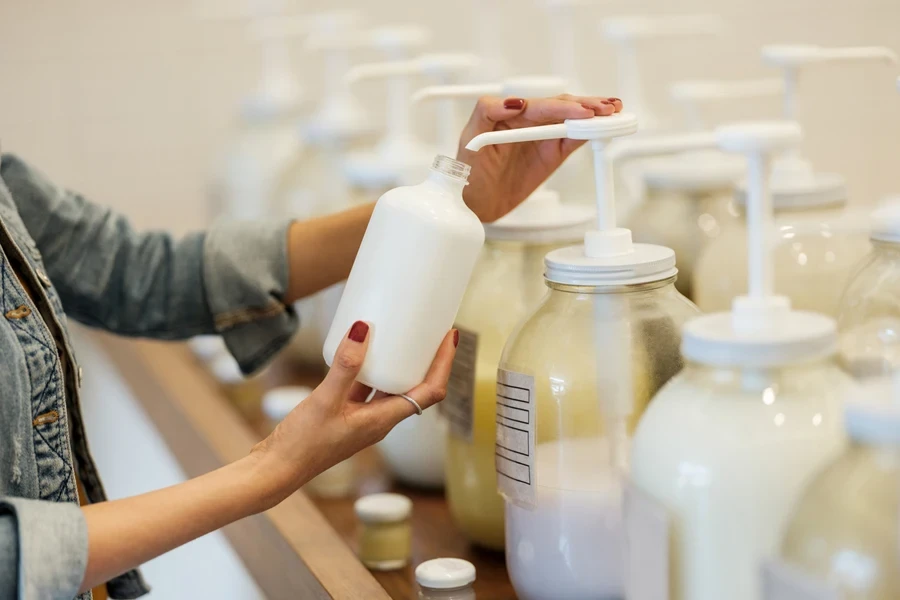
x=413, y=402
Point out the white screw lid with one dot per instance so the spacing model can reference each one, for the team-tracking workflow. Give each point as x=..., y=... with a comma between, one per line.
x=208, y=347
x=542, y=219
x=445, y=573
x=383, y=508
x=886, y=223
x=872, y=413
x=644, y=263
x=278, y=402
x=226, y=369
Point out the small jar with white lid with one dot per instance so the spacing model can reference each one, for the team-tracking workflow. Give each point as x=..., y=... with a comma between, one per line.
x=244, y=393
x=869, y=319
x=446, y=579
x=386, y=537
x=338, y=481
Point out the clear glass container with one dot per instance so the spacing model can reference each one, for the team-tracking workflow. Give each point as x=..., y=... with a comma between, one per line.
x=565, y=541
x=685, y=221
x=869, y=319
x=726, y=453
x=506, y=284
x=845, y=531
x=385, y=542
x=817, y=249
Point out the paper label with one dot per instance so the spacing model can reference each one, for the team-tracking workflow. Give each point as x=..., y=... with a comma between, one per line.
x=459, y=405
x=783, y=582
x=646, y=547
x=514, y=449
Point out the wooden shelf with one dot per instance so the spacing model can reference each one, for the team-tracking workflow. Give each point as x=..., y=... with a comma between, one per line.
x=305, y=547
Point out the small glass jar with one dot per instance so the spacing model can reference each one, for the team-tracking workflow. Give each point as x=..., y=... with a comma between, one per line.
x=845, y=531
x=244, y=393
x=446, y=579
x=590, y=356
x=816, y=249
x=338, y=481
x=386, y=538
x=869, y=319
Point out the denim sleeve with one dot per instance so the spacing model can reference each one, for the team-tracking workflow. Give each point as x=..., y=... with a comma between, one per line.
x=230, y=280
x=43, y=549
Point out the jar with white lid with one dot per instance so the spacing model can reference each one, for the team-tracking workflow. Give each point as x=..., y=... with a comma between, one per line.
x=573, y=380
x=446, y=579
x=726, y=448
x=844, y=536
x=506, y=284
x=338, y=481
x=869, y=318
x=386, y=532
x=244, y=393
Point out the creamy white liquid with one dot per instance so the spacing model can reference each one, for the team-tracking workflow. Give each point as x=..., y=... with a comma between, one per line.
x=570, y=546
x=729, y=466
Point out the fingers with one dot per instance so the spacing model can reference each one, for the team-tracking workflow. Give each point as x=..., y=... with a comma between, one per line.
x=393, y=409
x=348, y=360
x=601, y=106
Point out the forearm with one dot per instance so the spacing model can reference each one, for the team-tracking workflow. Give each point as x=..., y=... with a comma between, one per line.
x=322, y=250
x=123, y=534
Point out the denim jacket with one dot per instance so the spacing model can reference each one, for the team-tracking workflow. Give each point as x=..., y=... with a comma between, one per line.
x=80, y=260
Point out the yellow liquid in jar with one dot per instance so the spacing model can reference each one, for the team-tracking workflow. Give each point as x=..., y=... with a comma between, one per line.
x=386, y=546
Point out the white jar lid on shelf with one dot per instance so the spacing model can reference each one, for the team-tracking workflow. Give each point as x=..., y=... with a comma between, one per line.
x=383, y=508
x=445, y=573
x=278, y=402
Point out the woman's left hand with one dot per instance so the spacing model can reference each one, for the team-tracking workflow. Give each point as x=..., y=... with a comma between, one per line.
x=504, y=175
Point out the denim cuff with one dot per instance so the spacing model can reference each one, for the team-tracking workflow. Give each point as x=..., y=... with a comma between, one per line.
x=44, y=546
x=245, y=273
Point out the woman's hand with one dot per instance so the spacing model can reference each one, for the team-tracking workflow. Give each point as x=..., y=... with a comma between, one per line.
x=504, y=175
x=335, y=422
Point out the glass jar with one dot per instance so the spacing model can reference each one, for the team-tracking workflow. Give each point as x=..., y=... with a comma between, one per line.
x=685, y=221
x=446, y=579
x=869, y=319
x=386, y=537
x=815, y=253
x=507, y=282
x=726, y=453
x=574, y=379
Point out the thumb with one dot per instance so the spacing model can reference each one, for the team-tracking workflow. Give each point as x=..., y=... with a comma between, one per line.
x=348, y=360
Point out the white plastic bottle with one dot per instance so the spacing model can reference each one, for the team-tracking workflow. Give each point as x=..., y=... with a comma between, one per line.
x=725, y=450
x=818, y=239
x=574, y=377
x=409, y=277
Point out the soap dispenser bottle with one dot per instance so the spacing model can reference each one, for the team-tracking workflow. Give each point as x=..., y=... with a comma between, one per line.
x=507, y=283
x=843, y=538
x=818, y=240
x=725, y=450
x=573, y=379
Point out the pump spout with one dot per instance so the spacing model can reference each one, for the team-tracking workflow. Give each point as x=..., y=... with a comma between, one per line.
x=511, y=136
x=629, y=149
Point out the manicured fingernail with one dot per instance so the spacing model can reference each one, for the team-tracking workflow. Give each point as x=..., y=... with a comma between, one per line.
x=514, y=104
x=587, y=106
x=613, y=99
x=359, y=331
x=606, y=102
x=455, y=338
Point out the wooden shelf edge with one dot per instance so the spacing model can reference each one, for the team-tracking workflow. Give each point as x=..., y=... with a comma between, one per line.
x=291, y=551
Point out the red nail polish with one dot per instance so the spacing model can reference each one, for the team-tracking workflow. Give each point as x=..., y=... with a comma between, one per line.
x=614, y=99
x=606, y=102
x=590, y=108
x=514, y=104
x=359, y=331
x=455, y=338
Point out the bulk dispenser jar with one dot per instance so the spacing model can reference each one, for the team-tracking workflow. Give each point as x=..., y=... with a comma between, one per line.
x=843, y=539
x=869, y=319
x=573, y=379
x=726, y=448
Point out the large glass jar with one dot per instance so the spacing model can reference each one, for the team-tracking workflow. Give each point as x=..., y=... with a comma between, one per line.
x=574, y=379
x=685, y=221
x=507, y=282
x=726, y=452
x=815, y=253
x=869, y=319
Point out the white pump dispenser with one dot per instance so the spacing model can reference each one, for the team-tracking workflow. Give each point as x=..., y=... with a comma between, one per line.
x=724, y=451
x=562, y=17
x=625, y=32
x=794, y=182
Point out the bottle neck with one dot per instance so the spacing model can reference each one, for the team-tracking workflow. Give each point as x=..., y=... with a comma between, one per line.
x=453, y=185
x=663, y=284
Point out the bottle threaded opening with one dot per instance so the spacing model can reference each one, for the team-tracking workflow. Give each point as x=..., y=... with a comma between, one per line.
x=451, y=167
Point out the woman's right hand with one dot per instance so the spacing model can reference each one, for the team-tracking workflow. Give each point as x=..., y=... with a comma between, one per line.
x=335, y=422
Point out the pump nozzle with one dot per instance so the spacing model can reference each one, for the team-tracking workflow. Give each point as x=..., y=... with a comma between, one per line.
x=690, y=94
x=758, y=141
x=624, y=32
